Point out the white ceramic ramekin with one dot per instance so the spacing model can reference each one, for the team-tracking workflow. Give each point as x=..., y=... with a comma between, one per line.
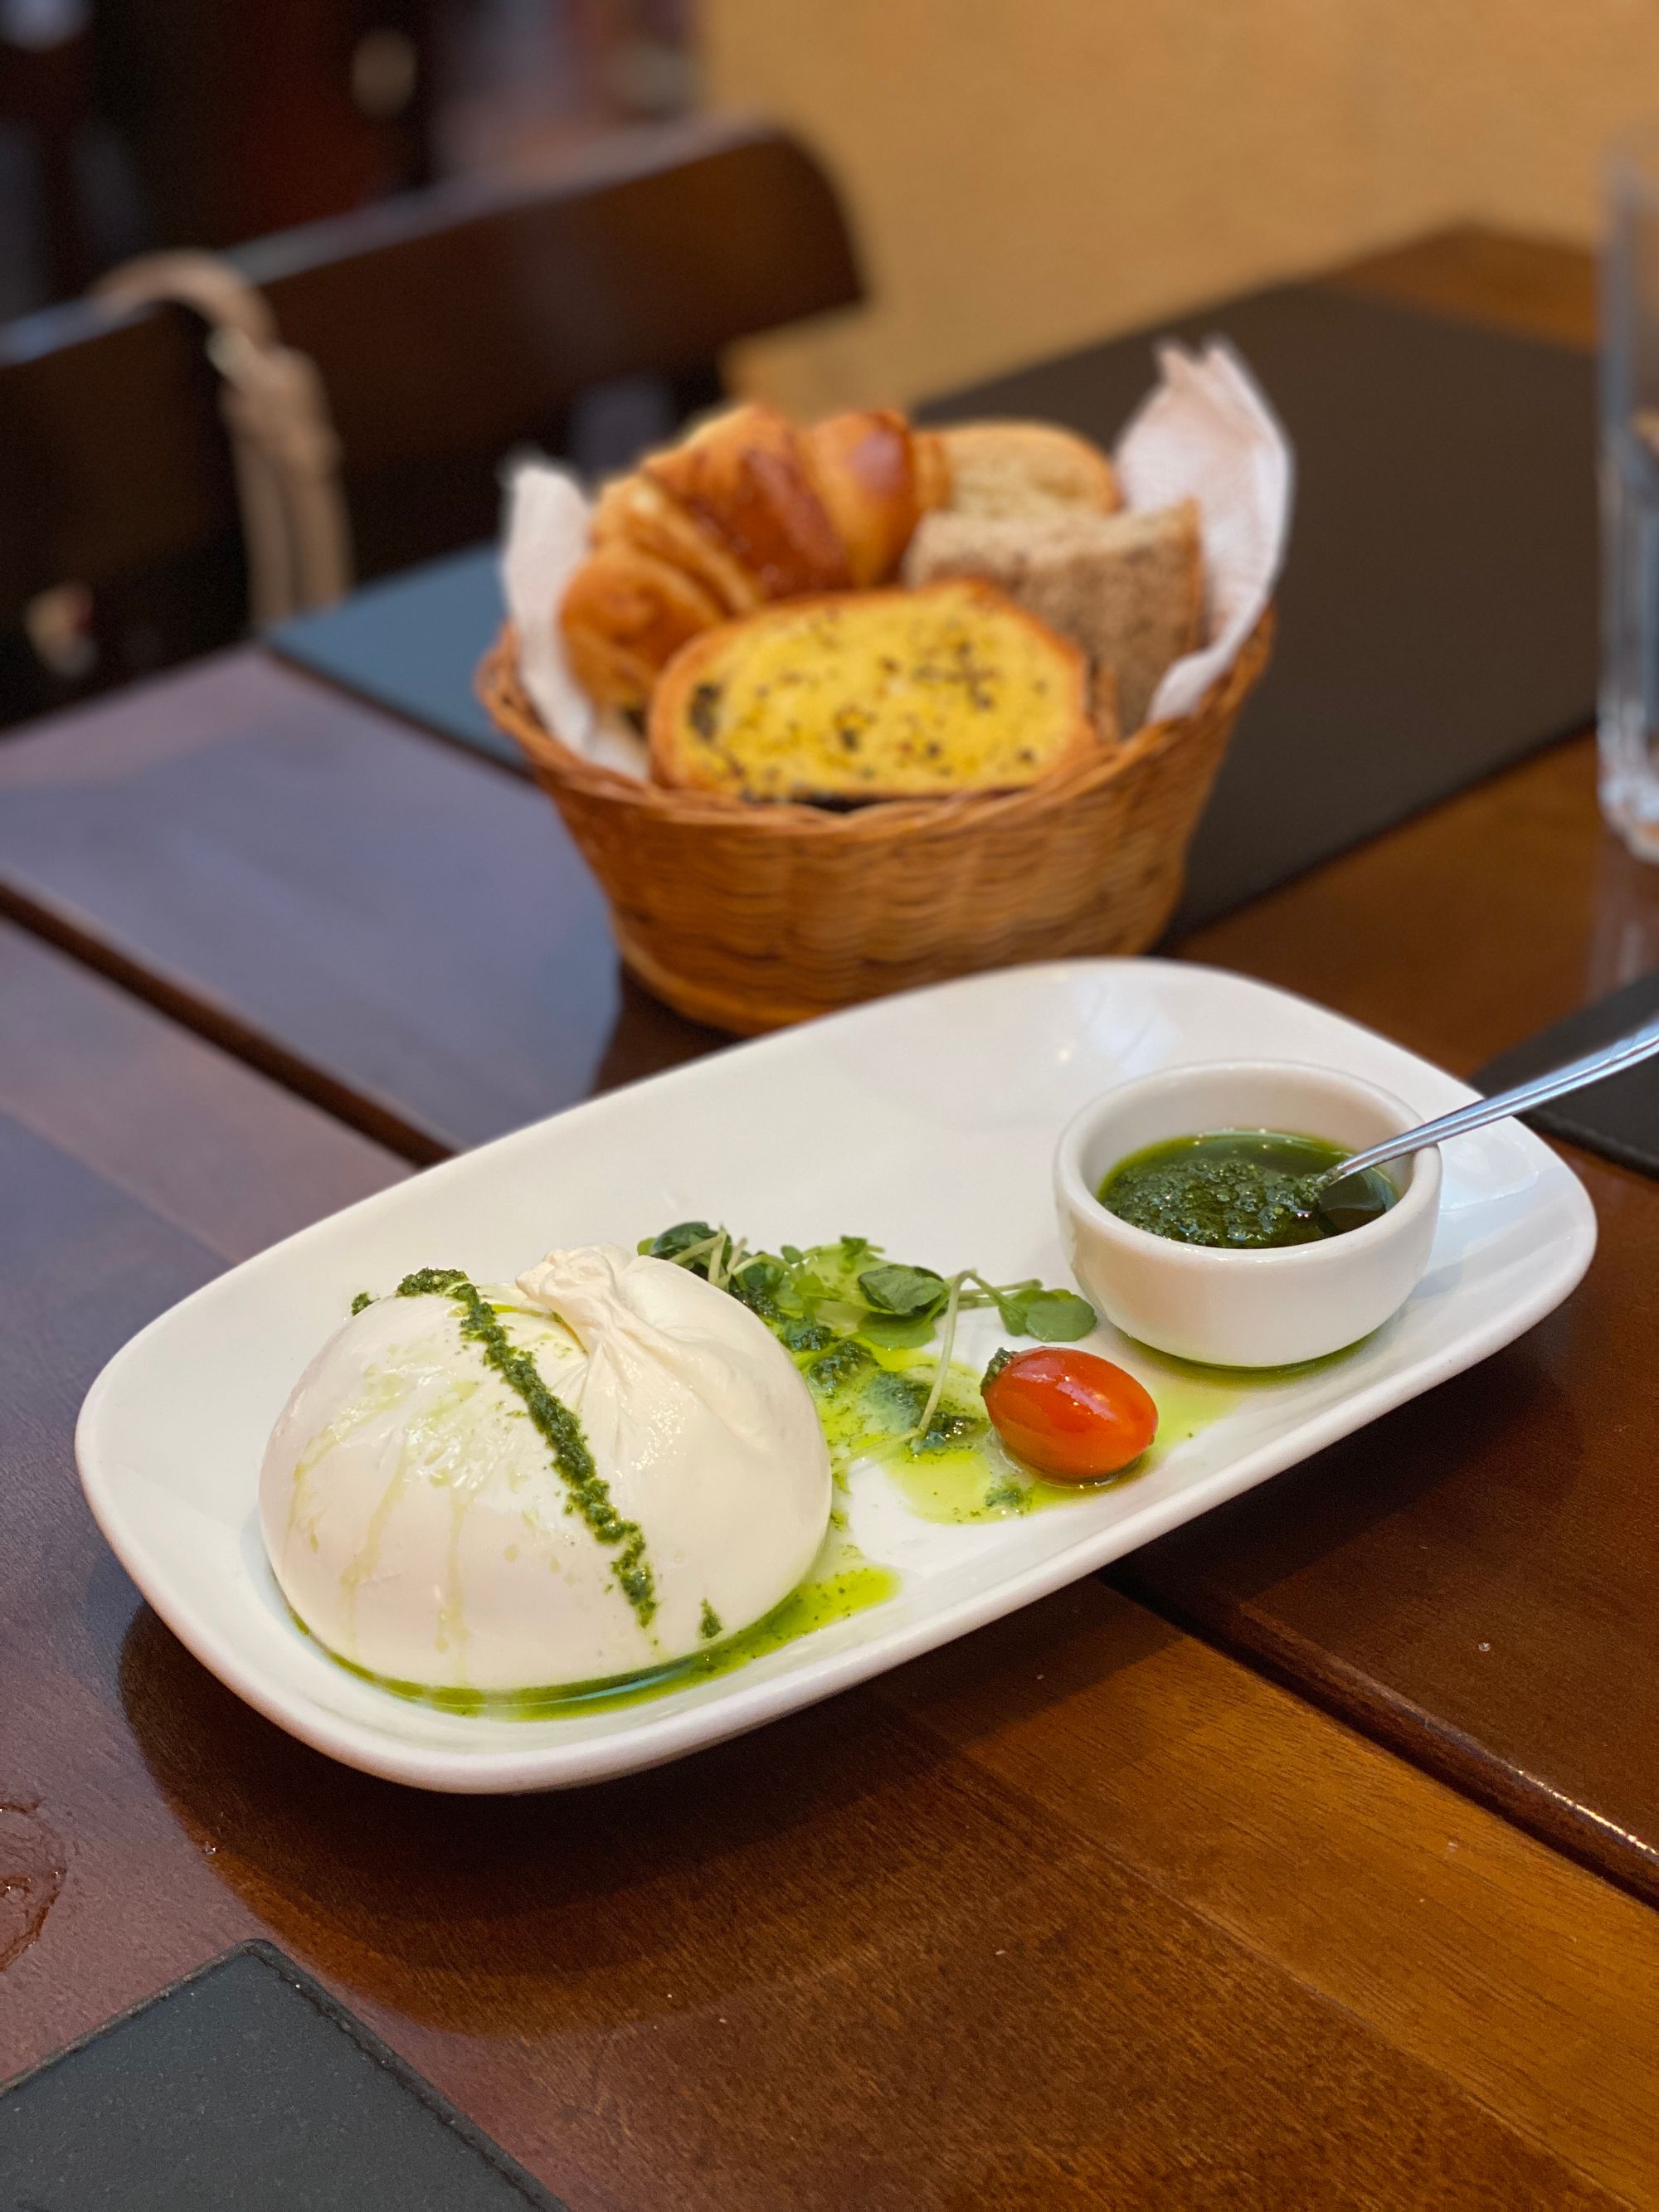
x=1227, y=1308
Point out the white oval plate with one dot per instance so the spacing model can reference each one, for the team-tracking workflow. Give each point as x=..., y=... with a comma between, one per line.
x=926, y=1123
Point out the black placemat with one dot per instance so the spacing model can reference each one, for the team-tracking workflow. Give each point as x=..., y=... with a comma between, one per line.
x=1437, y=613
x=1436, y=617
x=245, y=2086
x=1619, y=1118
x=412, y=643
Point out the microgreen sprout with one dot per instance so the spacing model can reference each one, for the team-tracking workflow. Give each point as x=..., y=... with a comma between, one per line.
x=850, y=1289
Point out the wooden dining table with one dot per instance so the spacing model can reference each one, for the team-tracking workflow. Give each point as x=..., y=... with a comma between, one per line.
x=1310, y=1856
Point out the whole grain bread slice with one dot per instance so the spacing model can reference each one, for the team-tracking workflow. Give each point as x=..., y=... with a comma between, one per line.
x=1128, y=588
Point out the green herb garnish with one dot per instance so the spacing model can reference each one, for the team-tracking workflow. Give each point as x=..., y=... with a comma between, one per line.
x=897, y=1332
x=806, y=1336
x=832, y=1369
x=904, y=1290
x=829, y=1296
x=688, y=1241
x=1058, y=1316
x=590, y=1494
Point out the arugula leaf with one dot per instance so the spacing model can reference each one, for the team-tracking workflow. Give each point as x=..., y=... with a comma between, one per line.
x=855, y=1248
x=1058, y=1316
x=892, y=1288
x=791, y=1256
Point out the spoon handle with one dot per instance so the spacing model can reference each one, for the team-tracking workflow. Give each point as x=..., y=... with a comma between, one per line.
x=1577, y=1075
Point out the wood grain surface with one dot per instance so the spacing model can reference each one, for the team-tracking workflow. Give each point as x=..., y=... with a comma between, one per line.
x=387, y=925
x=1076, y=1912
x=149, y=1107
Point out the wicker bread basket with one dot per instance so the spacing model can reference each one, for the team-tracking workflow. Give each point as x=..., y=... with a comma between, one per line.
x=749, y=917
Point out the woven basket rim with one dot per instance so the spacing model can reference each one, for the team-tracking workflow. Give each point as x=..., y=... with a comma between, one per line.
x=501, y=690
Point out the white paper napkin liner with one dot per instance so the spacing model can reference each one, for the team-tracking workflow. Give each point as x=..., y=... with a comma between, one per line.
x=1207, y=433
x=548, y=519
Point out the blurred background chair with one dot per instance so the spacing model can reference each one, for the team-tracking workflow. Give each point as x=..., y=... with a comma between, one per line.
x=586, y=315
x=129, y=126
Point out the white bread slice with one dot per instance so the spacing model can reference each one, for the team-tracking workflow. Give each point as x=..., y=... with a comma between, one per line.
x=1025, y=468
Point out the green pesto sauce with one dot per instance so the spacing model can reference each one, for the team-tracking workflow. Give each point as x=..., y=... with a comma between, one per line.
x=1240, y=1190
x=560, y=1429
x=842, y=1582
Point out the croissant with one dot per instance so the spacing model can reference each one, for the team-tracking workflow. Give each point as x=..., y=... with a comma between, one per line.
x=747, y=510
x=876, y=478
x=633, y=512
x=745, y=481
x=627, y=613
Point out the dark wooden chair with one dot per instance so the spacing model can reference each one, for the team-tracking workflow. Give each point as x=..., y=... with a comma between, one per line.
x=46, y=98
x=448, y=326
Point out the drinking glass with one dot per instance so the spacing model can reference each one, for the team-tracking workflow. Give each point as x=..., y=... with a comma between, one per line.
x=1628, y=713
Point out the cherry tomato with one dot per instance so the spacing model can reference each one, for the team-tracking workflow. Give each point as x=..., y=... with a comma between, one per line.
x=1070, y=1414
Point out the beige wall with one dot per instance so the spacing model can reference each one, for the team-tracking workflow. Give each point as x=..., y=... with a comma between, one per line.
x=1028, y=174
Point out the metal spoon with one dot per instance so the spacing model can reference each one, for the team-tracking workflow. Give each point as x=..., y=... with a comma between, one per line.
x=1321, y=1197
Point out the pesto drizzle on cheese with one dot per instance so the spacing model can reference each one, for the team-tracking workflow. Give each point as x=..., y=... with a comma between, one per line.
x=560, y=1429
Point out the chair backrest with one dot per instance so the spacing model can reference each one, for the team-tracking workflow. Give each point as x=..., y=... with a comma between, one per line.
x=448, y=325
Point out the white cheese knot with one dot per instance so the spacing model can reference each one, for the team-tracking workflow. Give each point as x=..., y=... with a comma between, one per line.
x=432, y=1515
